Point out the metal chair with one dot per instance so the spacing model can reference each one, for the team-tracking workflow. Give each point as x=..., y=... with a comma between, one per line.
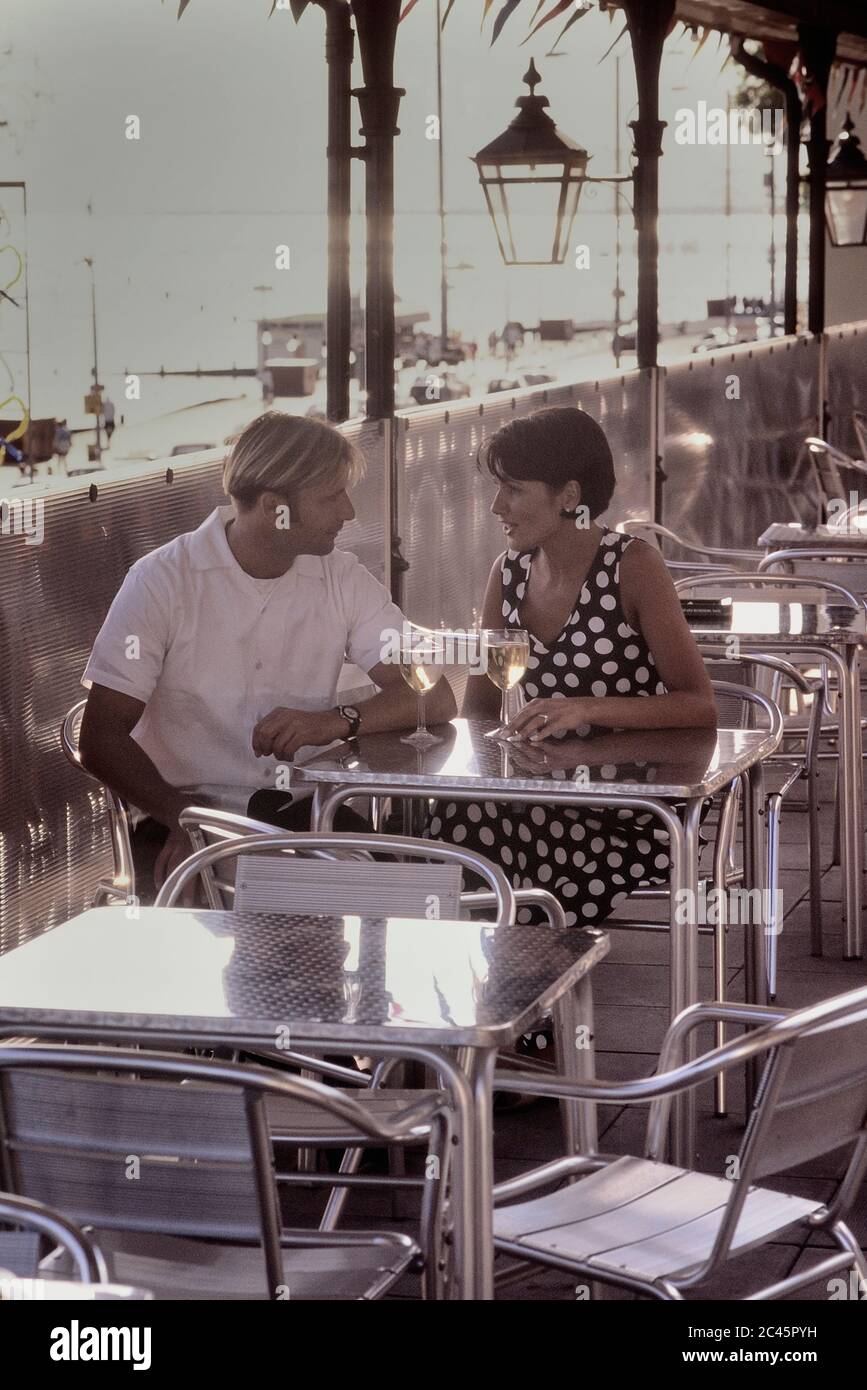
x=278, y=889
x=178, y=1179
x=342, y=888
x=827, y=461
x=859, y=421
x=660, y=1230
x=121, y=886
x=20, y=1251
x=793, y=768
x=723, y=562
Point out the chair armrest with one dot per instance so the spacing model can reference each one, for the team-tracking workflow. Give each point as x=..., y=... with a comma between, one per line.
x=547, y=1173
x=537, y=897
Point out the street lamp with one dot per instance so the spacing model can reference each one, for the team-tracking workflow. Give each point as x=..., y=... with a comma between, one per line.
x=846, y=190
x=530, y=155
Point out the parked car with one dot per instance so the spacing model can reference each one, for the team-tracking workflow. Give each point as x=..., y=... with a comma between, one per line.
x=438, y=386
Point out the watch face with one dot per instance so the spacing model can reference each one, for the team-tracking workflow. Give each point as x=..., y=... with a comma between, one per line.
x=351, y=712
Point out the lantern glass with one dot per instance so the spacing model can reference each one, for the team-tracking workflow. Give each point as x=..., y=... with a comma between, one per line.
x=533, y=207
x=846, y=212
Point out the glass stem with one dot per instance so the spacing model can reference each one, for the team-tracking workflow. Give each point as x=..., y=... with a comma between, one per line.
x=420, y=727
x=504, y=707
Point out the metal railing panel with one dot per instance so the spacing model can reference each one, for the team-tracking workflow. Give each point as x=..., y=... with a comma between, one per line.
x=448, y=536
x=846, y=382
x=732, y=427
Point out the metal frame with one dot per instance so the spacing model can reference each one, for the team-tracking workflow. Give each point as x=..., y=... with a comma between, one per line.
x=121, y=887
x=775, y=1032
x=427, y=1116
x=847, y=668
x=683, y=853
x=22, y=1211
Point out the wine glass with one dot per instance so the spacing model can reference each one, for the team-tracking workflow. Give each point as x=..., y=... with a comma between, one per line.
x=508, y=651
x=422, y=656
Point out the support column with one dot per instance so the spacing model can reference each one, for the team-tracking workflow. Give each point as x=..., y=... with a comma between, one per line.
x=817, y=54
x=376, y=26
x=339, y=43
x=779, y=78
x=649, y=21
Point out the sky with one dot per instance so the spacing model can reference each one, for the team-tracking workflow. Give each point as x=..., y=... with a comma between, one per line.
x=183, y=222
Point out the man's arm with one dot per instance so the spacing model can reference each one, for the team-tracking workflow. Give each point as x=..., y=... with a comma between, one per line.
x=282, y=732
x=109, y=751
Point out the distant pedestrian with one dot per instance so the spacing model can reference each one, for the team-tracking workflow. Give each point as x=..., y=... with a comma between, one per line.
x=62, y=443
x=108, y=417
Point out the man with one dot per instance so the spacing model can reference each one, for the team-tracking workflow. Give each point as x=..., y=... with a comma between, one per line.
x=218, y=662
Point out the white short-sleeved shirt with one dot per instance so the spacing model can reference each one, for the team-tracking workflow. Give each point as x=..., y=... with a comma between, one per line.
x=211, y=651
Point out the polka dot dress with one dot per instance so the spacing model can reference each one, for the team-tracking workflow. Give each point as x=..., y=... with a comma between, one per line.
x=591, y=859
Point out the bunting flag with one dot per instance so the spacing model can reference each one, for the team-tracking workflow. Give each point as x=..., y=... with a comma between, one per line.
x=407, y=9
x=552, y=14
x=614, y=44
x=573, y=19
x=505, y=13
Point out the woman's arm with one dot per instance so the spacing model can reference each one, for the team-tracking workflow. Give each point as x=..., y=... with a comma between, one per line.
x=481, y=698
x=652, y=607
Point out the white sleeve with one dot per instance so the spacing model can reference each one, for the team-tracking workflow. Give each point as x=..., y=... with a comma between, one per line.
x=131, y=645
x=374, y=620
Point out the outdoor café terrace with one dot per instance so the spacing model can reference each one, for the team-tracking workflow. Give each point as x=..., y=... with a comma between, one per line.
x=459, y=1049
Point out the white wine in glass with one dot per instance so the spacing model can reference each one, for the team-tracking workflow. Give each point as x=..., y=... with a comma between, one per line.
x=508, y=651
x=421, y=665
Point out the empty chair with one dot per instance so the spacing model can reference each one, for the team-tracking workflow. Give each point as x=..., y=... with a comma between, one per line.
x=829, y=465
x=716, y=560
x=198, y=1215
x=660, y=1230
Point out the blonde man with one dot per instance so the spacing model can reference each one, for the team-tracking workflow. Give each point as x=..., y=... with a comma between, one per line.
x=219, y=659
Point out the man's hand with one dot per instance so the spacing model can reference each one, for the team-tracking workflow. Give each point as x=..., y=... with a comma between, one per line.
x=539, y=719
x=282, y=732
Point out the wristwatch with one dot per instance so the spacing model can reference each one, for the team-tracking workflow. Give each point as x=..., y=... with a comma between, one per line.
x=353, y=718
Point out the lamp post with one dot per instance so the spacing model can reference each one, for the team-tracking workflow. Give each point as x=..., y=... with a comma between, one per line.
x=532, y=155
x=846, y=190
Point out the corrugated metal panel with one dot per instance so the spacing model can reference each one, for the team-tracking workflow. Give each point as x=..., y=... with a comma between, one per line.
x=730, y=463
x=448, y=535
x=846, y=382
x=53, y=598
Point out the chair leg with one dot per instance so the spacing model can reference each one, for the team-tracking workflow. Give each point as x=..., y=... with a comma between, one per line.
x=774, y=925
x=812, y=771
x=722, y=851
x=835, y=849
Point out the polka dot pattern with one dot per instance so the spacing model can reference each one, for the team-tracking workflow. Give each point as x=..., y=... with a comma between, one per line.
x=590, y=859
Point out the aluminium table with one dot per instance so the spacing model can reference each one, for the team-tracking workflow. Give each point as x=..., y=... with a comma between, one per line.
x=389, y=986
x=668, y=772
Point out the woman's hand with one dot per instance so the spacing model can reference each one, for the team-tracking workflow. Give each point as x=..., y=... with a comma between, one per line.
x=539, y=719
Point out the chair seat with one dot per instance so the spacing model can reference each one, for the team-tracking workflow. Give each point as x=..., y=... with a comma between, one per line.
x=295, y=1122
x=642, y=1219
x=174, y=1268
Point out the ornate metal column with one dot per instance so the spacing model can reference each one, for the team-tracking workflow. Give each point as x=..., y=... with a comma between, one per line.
x=817, y=53
x=379, y=99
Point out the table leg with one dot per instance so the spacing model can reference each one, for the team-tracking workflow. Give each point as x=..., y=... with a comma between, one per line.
x=573, y=1039
x=683, y=946
x=479, y=1064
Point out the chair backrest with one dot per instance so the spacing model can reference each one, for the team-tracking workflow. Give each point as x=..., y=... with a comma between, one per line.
x=118, y=811
x=792, y=588
x=847, y=567
x=157, y=1142
x=338, y=886
x=811, y=1100
x=829, y=464
x=656, y=534
x=290, y=883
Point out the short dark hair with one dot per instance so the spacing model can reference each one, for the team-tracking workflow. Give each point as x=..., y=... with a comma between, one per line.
x=554, y=446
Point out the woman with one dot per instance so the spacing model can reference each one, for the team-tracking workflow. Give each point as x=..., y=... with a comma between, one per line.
x=609, y=649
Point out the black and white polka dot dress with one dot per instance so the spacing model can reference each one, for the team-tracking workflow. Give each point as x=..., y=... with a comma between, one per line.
x=591, y=859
